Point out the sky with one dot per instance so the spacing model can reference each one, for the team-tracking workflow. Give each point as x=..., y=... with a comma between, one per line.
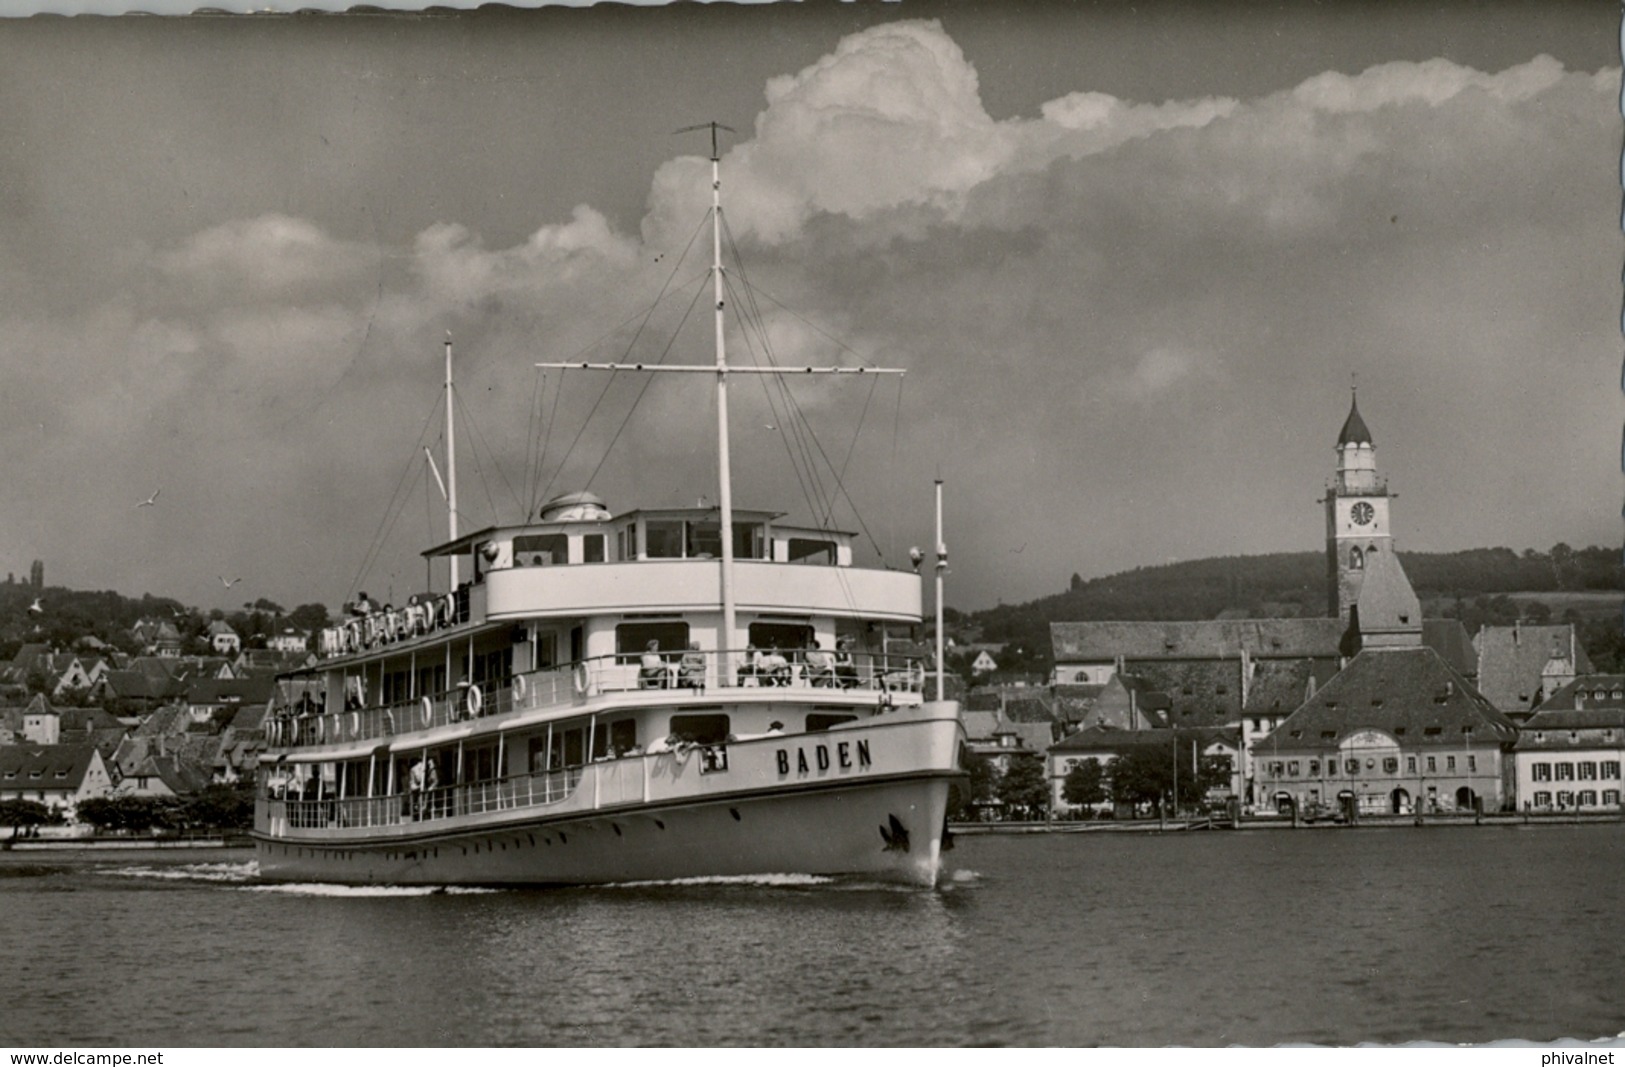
x=1132, y=258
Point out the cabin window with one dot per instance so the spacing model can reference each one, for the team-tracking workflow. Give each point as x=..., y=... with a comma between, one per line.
x=538, y=755
x=663, y=539
x=541, y=550
x=818, y=720
x=547, y=650
x=632, y=638
x=781, y=635
x=809, y=551
x=707, y=729
x=574, y=744
x=704, y=540
x=620, y=544
x=619, y=735
x=592, y=548
x=431, y=679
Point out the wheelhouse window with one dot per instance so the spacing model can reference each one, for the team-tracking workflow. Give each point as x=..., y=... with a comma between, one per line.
x=541, y=550
x=750, y=541
x=818, y=721
x=663, y=539
x=632, y=638
x=592, y=548
x=812, y=552
x=704, y=540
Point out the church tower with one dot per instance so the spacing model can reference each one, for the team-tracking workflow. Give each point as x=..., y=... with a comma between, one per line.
x=1356, y=515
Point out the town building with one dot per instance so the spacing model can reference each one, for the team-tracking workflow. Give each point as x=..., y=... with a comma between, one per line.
x=1569, y=753
x=1397, y=731
x=1104, y=744
x=223, y=639
x=58, y=776
x=1521, y=665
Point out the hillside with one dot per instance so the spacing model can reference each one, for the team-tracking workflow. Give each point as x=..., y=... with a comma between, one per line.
x=1478, y=586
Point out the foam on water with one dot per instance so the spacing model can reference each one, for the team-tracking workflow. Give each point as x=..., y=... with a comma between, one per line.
x=732, y=879
x=324, y=889
x=193, y=872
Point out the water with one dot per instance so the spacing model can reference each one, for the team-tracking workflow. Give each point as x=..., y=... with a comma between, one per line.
x=1253, y=938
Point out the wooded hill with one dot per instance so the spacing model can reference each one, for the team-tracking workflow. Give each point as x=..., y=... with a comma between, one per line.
x=1478, y=586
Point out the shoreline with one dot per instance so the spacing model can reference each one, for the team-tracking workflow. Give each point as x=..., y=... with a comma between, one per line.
x=90, y=844
x=1368, y=822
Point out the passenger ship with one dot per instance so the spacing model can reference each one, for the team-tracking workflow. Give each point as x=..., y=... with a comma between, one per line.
x=652, y=694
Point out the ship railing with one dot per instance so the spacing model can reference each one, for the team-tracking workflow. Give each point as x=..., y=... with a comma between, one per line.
x=425, y=805
x=382, y=627
x=883, y=675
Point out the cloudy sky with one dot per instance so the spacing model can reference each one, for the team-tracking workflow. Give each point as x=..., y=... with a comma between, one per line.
x=1130, y=256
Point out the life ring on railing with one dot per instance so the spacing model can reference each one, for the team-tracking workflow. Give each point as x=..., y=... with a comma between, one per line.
x=321, y=729
x=916, y=677
x=428, y=711
x=355, y=724
x=474, y=701
x=519, y=688
x=448, y=609
x=581, y=679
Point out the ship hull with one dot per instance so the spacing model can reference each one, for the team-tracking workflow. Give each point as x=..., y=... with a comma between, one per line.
x=883, y=830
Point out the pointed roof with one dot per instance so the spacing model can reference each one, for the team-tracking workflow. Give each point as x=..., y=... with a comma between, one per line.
x=1354, y=428
x=1387, y=605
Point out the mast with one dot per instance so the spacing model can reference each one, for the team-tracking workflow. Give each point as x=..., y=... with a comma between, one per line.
x=724, y=467
x=721, y=370
x=451, y=464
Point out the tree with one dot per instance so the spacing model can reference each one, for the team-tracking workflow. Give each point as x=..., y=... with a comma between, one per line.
x=1145, y=774
x=1024, y=789
x=16, y=813
x=128, y=814
x=1085, y=784
x=221, y=807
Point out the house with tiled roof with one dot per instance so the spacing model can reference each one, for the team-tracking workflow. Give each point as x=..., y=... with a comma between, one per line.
x=207, y=698
x=222, y=638
x=156, y=775
x=157, y=637
x=58, y=776
x=994, y=737
x=1569, y=753
x=1521, y=665
x=1396, y=731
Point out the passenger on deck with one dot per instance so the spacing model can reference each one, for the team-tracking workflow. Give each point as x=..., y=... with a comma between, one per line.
x=691, y=669
x=652, y=672
x=846, y=672
x=820, y=665
x=751, y=668
x=774, y=666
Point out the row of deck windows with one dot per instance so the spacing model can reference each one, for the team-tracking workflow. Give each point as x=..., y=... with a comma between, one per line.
x=1585, y=771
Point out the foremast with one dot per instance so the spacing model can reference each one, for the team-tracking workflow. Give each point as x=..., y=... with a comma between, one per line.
x=721, y=370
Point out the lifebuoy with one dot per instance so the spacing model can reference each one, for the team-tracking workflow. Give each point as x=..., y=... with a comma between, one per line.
x=448, y=609
x=428, y=711
x=581, y=679
x=475, y=701
x=916, y=676
x=355, y=724
x=519, y=688
x=321, y=729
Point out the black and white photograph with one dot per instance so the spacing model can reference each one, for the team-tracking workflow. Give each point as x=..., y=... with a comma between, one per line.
x=938, y=523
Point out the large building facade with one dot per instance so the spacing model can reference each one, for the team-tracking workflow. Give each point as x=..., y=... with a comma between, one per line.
x=1569, y=754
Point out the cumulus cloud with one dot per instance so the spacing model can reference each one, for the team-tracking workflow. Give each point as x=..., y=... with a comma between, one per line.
x=1425, y=223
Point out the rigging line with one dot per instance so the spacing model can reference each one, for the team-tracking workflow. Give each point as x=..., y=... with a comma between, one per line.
x=375, y=548
x=812, y=437
x=648, y=381
x=533, y=434
x=851, y=449
x=819, y=330
x=787, y=419
x=798, y=428
x=597, y=403
x=490, y=454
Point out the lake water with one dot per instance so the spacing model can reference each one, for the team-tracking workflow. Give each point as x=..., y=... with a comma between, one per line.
x=1252, y=938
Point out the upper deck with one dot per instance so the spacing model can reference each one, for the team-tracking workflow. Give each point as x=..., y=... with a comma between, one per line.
x=579, y=561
